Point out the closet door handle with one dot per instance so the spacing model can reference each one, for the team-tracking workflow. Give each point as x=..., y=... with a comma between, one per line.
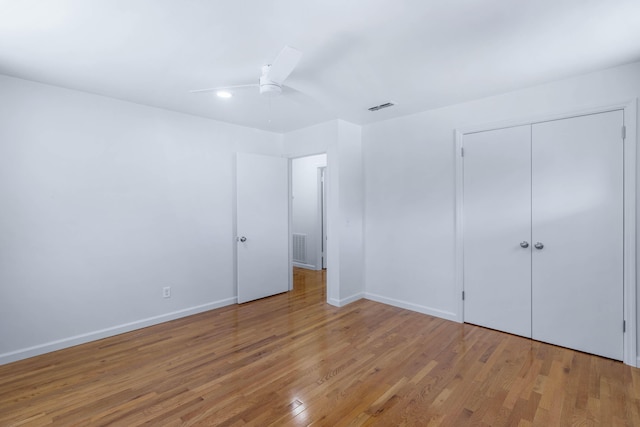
x=538, y=245
x=524, y=244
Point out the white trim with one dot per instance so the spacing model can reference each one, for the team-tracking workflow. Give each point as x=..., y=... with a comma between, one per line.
x=459, y=242
x=584, y=111
x=302, y=156
x=36, y=350
x=630, y=354
x=320, y=243
x=290, y=222
x=411, y=306
x=306, y=266
x=344, y=301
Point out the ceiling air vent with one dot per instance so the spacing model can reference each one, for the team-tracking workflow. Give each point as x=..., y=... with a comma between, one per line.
x=381, y=106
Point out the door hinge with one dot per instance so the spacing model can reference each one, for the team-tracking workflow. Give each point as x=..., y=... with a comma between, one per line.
x=624, y=326
x=461, y=151
x=624, y=132
x=462, y=295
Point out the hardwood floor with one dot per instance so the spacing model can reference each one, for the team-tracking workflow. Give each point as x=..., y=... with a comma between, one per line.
x=293, y=360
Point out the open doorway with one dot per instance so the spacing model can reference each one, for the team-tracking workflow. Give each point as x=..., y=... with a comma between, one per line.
x=308, y=216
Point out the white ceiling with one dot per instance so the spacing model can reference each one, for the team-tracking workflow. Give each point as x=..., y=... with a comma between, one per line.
x=421, y=54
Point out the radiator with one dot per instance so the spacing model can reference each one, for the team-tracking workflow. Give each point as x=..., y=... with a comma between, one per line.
x=300, y=248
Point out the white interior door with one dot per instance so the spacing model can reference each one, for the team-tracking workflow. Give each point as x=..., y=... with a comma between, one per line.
x=497, y=229
x=577, y=215
x=262, y=226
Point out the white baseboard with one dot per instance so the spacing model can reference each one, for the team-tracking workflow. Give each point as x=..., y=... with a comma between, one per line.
x=413, y=307
x=307, y=266
x=108, y=332
x=345, y=301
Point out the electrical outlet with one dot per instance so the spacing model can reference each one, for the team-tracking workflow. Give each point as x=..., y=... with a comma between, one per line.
x=166, y=292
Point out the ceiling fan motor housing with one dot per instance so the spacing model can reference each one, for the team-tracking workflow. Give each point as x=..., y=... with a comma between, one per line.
x=270, y=89
x=267, y=86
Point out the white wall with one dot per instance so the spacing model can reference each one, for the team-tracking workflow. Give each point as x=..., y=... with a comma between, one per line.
x=350, y=221
x=310, y=140
x=104, y=202
x=306, y=205
x=410, y=184
x=345, y=202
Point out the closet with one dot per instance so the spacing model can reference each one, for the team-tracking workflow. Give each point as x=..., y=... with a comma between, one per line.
x=542, y=222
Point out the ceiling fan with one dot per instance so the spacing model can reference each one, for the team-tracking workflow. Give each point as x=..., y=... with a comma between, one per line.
x=272, y=78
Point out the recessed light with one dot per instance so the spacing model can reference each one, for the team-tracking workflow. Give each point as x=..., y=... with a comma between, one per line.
x=224, y=94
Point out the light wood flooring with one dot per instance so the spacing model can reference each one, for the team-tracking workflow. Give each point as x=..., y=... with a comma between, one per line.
x=294, y=360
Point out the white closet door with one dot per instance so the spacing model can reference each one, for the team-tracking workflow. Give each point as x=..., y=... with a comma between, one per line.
x=577, y=214
x=496, y=221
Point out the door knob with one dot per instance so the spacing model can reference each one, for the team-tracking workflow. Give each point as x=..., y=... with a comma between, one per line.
x=538, y=245
x=524, y=244
x=243, y=239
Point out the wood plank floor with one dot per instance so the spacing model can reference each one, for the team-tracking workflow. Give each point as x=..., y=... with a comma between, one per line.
x=293, y=360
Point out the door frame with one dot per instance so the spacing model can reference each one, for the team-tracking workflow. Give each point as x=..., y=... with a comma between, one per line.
x=629, y=108
x=319, y=186
x=322, y=215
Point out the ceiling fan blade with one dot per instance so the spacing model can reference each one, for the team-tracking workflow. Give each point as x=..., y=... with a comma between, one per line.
x=284, y=64
x=214, y=89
